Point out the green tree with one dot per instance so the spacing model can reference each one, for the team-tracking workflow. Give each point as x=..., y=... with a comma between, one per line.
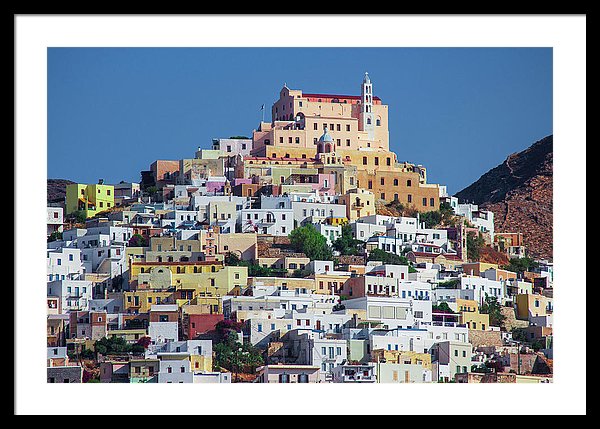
x=431, y=219
x=300, y=273
x=117, y=345
x=256, y=270
x=138, y=240
x=474, y=244
x=232, y=259
x=78, y=216
x=390, y=258
x=519, y=334
x=311, y=242
x=520, y=265
x=346, y=244
x=492, y=307
x=231, y=354
x=56, y=235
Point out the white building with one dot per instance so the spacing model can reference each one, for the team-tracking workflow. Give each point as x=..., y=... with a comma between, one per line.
x=54, y=220
x=308, y=347
x=231, y=147
x=482, y=219
x=64, y=263
x=73, y=294
x=330, y=232
x=272, y=298
x=393, y=312
x=316, y=212
x=267, y=221
x=364, y=230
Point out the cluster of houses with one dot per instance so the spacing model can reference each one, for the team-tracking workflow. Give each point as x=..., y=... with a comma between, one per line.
x=158, y=263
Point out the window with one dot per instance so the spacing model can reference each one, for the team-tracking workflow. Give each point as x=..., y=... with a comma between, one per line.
x=347, y=127
x=364, y=160
x=376, y=160
x=409, y=198
x=382, y=181
x=456, y=353
x=383, y=195
x=338, y=351
x=183, y=369
x=370, y=184
x=425, y=201
x=259, y=327
x=315, y=126
x=58, y=262
x=464, y=353
x=432, y=202
x=169, y=370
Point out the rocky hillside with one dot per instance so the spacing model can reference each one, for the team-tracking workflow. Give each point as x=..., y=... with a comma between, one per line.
x=519, y=192
x=57, y=189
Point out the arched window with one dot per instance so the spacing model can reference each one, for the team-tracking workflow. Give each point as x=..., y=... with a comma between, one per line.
x=378, y=122
x=368, y=121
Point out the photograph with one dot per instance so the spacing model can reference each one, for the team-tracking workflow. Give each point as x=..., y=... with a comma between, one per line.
x=227, y=208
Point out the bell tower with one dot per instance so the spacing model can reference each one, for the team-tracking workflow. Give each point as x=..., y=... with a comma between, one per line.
x=367, y=119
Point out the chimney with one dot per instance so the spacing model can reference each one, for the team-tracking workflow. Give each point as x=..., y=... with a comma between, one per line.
x=100, y=181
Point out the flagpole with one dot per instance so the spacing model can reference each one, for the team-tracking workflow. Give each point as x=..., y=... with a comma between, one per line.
x=262, y=109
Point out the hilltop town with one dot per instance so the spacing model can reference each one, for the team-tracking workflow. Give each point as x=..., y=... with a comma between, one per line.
x=306, y=252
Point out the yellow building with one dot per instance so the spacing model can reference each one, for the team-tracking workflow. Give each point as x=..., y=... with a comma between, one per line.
x=328, y=284
x=477, y=268
x=470, y=315
x=129, y=335
x=533, y=305
x=201, y=363
x=194, y=283
x=402, y=357
x=141, y=300
x=286, y=283
x=359, y=202
x=334, y=132
x=90, y=199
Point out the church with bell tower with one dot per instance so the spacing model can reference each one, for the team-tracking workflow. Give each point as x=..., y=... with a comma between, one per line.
x=331, y=132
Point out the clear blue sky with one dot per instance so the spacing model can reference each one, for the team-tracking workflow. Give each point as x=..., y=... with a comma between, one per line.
x=457, y=111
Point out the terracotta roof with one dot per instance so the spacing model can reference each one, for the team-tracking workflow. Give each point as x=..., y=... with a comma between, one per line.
x=350, y=97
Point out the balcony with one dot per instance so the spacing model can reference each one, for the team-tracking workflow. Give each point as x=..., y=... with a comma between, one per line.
x=359, y=378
